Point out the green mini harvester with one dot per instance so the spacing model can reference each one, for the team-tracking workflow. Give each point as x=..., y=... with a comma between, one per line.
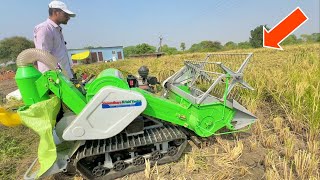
x=111, y=124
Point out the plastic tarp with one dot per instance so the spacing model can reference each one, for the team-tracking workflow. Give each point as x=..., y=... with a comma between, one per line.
x=14, y=95
x=41, y=118
x=9, y=119
x=80, y=56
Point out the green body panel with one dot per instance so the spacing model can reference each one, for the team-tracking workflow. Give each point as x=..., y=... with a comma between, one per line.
x=34, y=87
x=26, y=77
x=108, y=77
x=204, y=120
x=63, y=89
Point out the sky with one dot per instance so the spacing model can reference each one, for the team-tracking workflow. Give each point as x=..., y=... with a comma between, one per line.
x=131, y=22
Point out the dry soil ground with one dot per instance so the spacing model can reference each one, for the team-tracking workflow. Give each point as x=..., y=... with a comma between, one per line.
x=7, y=86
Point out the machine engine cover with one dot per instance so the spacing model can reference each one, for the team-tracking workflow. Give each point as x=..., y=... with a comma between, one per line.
x=110, y=111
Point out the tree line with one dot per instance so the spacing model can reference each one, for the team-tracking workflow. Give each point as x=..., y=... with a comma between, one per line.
x=11, y=47
x=255, y=41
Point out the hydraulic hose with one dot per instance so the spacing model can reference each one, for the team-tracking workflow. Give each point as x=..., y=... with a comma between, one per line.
x=29, y=56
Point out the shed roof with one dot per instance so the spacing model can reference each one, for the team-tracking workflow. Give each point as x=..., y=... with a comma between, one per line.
x=98, y=48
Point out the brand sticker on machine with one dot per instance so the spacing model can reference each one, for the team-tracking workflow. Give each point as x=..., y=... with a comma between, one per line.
x=119, y=104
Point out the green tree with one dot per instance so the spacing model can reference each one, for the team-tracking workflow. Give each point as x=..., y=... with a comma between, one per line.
x=256, y=36
x=128, y=51
x=145, y=48
x=217, y=45
x=306, y=38
x=310, y=38
x=183, y=46
x=138, y=49
x=291, y=39
x=169, y=50
x=230, y=45
x=206, y=46
x=244, y=45
x=11, y=47
x=315, y=37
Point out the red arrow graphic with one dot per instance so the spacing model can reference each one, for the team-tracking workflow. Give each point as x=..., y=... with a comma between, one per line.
x=272, y=38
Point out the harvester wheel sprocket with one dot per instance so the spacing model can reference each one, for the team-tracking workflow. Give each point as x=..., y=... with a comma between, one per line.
x=172, y=150
x=99, y=171
x=119, y=165
x=156, y=155
x=139, y=160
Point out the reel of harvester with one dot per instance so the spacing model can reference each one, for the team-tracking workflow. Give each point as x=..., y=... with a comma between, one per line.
x=210, y=80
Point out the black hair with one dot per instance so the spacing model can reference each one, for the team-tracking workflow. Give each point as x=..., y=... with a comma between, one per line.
x=51, y=10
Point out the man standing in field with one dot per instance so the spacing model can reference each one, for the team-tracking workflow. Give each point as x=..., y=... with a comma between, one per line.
x=48, y=36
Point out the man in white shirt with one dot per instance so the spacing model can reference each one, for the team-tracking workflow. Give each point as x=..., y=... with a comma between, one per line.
x=48, y=36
